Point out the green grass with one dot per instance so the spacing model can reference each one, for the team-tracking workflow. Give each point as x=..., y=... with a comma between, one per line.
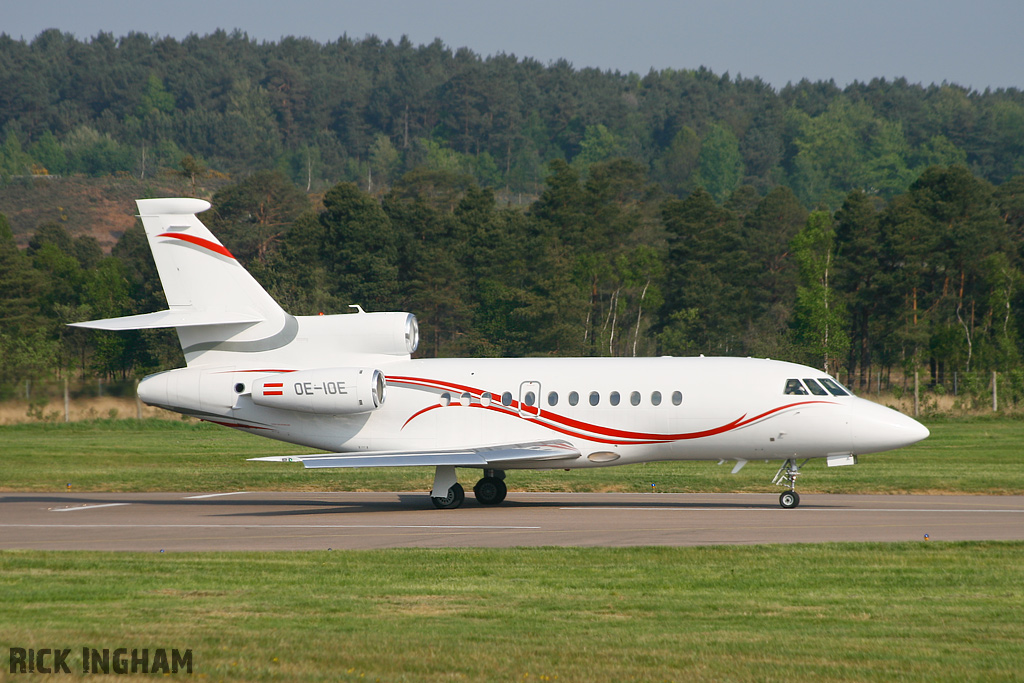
x=963, y=455
x=866, y=612
x=833, y=612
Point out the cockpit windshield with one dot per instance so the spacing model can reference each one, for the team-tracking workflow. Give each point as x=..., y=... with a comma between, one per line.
x=815, y=387
x=833, y=387
x=795, y=387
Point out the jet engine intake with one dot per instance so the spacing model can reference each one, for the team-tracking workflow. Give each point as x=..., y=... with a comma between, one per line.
x=324, y=391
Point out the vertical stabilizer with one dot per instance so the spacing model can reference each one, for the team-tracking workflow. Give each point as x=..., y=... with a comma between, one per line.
x=200, y=276
x=217, y=307
x=196, y=270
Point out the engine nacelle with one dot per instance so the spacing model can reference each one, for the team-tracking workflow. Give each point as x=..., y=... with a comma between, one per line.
x=393, y=334
x=324, y=391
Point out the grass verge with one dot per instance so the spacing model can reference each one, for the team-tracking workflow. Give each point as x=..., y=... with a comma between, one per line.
x=965, y=455
x=865, y=612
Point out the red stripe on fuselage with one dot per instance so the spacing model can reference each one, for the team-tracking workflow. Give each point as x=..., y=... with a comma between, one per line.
x=586, y=430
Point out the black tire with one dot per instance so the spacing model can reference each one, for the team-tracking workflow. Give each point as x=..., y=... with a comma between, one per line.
x=490, y=491
x=453, y=500
x=789, y=499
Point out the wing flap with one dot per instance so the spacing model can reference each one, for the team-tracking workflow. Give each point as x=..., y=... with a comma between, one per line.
x=485, y=456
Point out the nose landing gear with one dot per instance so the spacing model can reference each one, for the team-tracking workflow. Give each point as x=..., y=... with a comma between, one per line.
x=786, y=476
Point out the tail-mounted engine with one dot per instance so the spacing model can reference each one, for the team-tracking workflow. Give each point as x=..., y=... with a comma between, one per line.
x=324, y=391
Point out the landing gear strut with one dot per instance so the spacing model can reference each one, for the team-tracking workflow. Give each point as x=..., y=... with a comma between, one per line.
x=491, y=490
x=786, y=476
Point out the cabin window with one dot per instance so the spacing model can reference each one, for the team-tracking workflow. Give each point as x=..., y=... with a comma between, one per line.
x=677, y=397
x=553, y=398
x=595, y=398
x=613, y=398
x=634, y=398
x=485, y=399
x=655, y=398
x=465, y=398
x=833, y=387
x=530, y=398
x=506, y=398
x=446, y=399
x=795, y=388
x=815, y=387
x=574, y=398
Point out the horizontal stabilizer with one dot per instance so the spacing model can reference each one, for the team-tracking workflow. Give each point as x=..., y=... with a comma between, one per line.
x=182, y=318
x=488, y=456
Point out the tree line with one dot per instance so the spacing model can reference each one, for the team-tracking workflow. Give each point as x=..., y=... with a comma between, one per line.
x=369, y=111
x=605, y=263
x=526, y=209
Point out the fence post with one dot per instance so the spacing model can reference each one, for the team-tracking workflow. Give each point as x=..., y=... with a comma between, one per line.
x=995, y=402
x=67, y=402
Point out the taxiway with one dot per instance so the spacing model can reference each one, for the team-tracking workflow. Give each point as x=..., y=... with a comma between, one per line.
x=260, y=520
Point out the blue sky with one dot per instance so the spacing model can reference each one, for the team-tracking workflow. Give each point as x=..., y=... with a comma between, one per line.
x=975, y=44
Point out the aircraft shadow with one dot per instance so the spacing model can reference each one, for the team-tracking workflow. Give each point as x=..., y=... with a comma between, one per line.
x=299, y=505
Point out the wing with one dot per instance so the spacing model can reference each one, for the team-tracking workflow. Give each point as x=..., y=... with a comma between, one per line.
x=541, y=452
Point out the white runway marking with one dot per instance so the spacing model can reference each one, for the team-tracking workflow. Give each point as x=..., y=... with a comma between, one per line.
x=215, y=495
x=260, y=526
x=90, y=507
x=772, y=509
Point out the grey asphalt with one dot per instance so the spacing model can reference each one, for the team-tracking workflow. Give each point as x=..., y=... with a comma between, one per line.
x=261, y=520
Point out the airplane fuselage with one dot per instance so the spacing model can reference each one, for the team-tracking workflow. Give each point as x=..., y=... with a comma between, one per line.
x=614, y=410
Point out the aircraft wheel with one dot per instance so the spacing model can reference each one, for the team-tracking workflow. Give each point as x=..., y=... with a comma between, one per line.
x=789, y=499
x=453, y=500
x=490, y=491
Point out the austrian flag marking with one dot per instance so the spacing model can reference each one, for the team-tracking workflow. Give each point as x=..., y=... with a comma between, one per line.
x=273, y=385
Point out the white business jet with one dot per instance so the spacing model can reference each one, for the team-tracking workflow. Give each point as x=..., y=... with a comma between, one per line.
x=347, y=384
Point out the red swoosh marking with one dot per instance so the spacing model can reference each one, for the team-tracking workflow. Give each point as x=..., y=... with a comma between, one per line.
x=199, y=242
x=586, y=430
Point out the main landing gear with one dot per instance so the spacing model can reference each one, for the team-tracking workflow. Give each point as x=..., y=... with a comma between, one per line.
x=454, y=499
x=490, y=490
x=786, y=476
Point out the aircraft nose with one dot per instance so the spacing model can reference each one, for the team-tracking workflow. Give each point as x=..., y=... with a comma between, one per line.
x=877, y=428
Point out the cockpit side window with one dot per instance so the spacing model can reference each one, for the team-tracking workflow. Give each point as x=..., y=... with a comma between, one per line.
x=833, y=387
x=795, y=388
x=815, y=387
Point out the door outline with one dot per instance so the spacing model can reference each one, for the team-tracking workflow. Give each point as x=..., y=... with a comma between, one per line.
x=530, y=412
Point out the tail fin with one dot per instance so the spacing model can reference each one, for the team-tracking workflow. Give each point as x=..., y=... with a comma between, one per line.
x=213, y=302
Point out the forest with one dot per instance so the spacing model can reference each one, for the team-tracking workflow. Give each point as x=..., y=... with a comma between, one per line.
x=523, y=209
